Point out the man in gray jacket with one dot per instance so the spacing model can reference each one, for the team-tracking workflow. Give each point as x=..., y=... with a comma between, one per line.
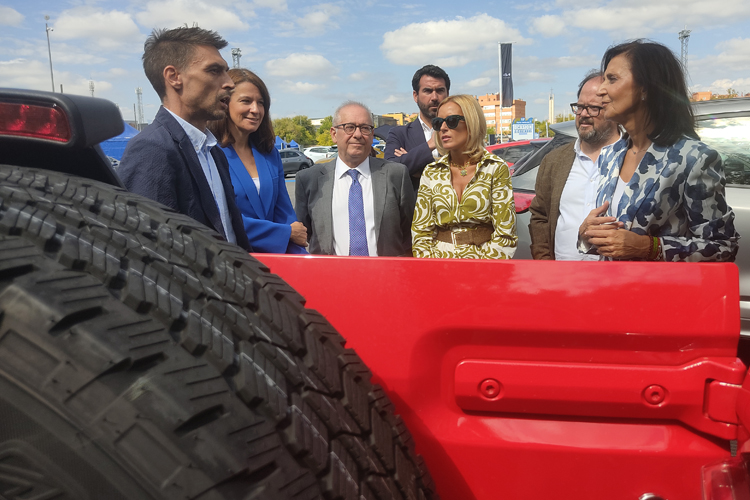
x=357, y=204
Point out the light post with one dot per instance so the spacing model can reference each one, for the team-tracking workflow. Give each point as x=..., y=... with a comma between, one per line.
x=49, y=50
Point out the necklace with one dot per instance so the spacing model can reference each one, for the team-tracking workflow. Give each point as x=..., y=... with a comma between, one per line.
x=461, y=168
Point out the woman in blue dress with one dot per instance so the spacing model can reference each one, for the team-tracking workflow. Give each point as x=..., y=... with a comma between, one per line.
x=247, y=139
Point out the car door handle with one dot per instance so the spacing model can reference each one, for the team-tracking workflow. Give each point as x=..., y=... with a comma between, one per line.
x=605, y=390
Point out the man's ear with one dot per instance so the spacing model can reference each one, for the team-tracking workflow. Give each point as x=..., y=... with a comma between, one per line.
x=415, y=96
x=172, y=78
x=333, y=135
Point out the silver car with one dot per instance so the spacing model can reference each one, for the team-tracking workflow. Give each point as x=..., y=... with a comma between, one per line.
x=722, y=124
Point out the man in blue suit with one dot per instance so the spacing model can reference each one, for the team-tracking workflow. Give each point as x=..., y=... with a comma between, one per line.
x=413, y=144
x=175, y=160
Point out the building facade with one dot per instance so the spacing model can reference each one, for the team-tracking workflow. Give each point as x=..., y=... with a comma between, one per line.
x=499, y=118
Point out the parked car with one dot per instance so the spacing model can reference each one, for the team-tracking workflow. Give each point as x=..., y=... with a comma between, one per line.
x=316, y=153
x=511, y=152
x=330, y=158
x=722, y=124
x=294, y=161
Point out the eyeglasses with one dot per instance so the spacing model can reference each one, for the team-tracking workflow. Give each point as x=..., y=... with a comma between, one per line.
x=349, y=128
x=451, y=121
x=592, y=110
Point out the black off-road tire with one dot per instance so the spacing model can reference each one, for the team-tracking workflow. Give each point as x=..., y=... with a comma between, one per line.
x=142, y=357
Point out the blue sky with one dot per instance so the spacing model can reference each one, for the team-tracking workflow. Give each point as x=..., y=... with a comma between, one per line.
x=314, y=55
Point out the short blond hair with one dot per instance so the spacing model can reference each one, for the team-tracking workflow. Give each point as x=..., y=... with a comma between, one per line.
x=475, y=125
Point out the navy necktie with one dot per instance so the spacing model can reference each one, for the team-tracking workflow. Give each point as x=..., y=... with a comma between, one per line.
x=357, y=229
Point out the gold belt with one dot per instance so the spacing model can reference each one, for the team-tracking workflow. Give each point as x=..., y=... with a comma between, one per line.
x=476, y=235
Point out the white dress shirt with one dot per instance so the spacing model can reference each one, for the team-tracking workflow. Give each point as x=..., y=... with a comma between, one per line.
x=202, y=143
x=427, y=129
x=340, y=206
x=577, y=200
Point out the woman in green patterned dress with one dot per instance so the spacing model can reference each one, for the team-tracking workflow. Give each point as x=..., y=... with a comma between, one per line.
x=465, y=201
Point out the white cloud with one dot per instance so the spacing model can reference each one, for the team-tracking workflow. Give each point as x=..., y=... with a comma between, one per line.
x=358, y=77
x=208, y=15
x=109, y=29
x=735, y=52
x=547, y=26
x=644, y=17
x=10, y=17
x=393, y=99
x=301, y=87
x=448, y=43
x=26, y=74
x=721, y=86
x=319, y=20
x=295, y=65
x=478, y=82
x=276, y=5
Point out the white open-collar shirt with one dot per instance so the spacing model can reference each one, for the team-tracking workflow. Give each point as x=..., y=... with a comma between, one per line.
x=578, y=198
x=340, y=206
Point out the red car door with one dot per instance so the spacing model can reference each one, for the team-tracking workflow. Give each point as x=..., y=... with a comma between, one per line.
x=540, y=380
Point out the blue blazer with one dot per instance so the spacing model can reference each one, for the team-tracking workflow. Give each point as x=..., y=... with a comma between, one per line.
x=267, y=216
x=418, y=156
x=160, y=163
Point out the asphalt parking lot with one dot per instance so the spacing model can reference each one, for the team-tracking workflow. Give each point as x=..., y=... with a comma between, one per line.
x=290, y=187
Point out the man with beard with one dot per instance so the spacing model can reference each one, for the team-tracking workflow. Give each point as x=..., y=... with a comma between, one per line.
x=567, y=180
x=414, y=144
x=174, y=160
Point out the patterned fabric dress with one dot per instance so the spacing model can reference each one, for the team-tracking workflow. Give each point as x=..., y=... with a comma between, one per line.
x=677, y=194
x=487, y=199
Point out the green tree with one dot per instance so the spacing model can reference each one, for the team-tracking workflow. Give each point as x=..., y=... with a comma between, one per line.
x=299, y=129
x=564, y=117
x=731, y=92
x=541, y=129
x=491, y=130
x=324, y=132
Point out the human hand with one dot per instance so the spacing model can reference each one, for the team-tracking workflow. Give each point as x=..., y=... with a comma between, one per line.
x=597, y=219
x=400, y=152
x=619, y=244
x=431, y=143
x=299, y=233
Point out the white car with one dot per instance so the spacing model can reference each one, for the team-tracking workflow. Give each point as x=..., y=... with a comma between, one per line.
x=318, y=152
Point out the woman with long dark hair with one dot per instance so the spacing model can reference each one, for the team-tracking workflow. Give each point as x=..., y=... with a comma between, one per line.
x=661, y=195
x=247, y=139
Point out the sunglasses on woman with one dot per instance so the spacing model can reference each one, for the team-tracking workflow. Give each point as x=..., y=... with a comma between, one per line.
x=451, y=121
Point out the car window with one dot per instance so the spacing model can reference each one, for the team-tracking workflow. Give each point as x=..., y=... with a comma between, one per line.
x=284, y=154
x=513, y=153
x=731, y=138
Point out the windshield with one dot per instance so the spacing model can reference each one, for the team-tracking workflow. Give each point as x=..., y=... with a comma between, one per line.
x=731, y=138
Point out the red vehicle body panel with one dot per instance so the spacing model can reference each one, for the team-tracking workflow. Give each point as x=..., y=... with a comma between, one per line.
x=542, y=380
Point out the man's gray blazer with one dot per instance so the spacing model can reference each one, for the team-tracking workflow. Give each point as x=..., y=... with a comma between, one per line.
x=393, y=196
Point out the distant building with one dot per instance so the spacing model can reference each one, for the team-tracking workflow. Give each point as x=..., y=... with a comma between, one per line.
x=501, y=119
x=701, y=96
x=400, y=118
x=380, y=120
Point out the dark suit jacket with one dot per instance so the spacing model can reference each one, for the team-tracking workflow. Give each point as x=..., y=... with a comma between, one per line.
x=545, y=207
x=267, y=215
x=394, y=206
x=418, y=156
x=160, y=163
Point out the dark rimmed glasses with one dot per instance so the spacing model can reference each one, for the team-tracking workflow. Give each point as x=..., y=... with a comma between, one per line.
x=592, y=110
x=349, y=128
x=452, y=121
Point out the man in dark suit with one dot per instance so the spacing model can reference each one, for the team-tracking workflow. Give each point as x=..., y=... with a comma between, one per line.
x=174, y=160
x=413, y=144
x=357, y=204
x=567, y=180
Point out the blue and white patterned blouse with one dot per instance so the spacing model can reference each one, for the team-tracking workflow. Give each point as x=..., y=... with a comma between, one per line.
x=677, y=194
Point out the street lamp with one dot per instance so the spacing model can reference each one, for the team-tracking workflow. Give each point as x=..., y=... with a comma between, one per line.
x=49, y=50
